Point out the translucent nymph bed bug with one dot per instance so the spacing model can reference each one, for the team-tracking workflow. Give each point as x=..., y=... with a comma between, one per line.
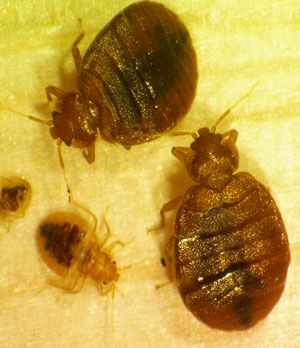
x=15, y=197
x=70, y=245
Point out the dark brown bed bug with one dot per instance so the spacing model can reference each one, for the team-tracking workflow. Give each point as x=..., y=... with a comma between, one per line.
x=15, y=197
x=136, y=81
x=71, y=247
x=229, y=253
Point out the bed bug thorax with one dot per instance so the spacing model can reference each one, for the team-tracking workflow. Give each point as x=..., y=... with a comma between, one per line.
x=200, y=157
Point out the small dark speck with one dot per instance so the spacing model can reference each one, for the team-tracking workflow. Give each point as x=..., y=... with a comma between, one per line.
x=243, y=309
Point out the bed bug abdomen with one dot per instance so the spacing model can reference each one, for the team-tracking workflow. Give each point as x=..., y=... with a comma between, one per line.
x=231, y=253
x=62, y=240
x=139, y=74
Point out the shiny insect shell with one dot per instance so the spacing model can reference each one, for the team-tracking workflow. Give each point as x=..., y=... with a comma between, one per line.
x=15, y=197
x=136, y=81
x=229, y=252
x=69, y=245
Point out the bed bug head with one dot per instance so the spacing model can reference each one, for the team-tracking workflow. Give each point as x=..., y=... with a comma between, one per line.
x=102, y=268
x=211, y=158
x=72, y=121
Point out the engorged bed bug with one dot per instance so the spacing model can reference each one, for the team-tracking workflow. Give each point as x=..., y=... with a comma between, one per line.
x=229, y=252
x=136, y=81
x=15, y=197
x=70, y=246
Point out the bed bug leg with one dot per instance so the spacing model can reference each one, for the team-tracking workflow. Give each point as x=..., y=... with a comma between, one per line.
x=57, y=92
x=180, y=152
x=167, y=261
x=229, y=140
x=113, y=245
x=7, y=225
x=73, y=283
x=54, y=91
x=62, y=165
x=230, y=136
x=168, y=256
x=90, y=213
x=75, y=51
x=74, y=287
x=104, y=292
x=107, y=235
x=105, y=239
x=89, y=153
x=172, y=205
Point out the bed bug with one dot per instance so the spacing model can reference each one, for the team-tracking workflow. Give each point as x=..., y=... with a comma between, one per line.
x=71, y=247
x=229, y=252
x=15, y=197
x=136, y=81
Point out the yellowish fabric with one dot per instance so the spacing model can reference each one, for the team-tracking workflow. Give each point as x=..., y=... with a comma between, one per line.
x=237, y=44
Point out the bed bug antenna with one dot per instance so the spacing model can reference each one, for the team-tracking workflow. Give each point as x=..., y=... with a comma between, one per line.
x=228, y=111
x=48, y=123
x=221, y=118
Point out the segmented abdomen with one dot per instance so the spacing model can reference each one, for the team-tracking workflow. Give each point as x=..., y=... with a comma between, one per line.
x=231, y=253
x=142, y=66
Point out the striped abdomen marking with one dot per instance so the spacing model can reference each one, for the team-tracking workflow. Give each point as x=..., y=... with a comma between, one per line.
x=231, y=257
x=143, y=67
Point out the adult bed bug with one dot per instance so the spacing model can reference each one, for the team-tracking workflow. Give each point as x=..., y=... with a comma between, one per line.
x=15, y=197
x=136, y=81
x=229, y=252
x=76, y=253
